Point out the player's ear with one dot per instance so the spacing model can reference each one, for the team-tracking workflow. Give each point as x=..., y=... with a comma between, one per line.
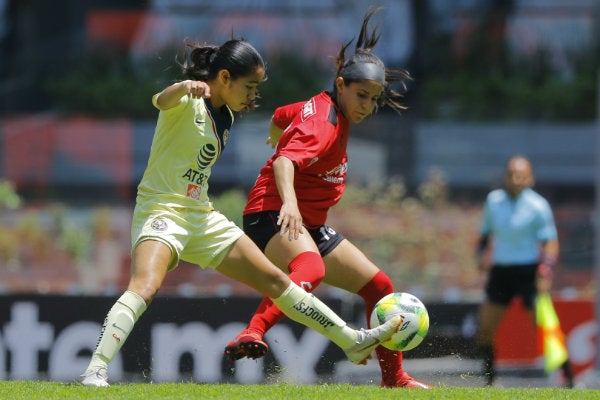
x=223, y=76
x=339, y=83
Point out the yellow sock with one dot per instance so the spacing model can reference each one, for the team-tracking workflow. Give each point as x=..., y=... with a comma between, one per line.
x=308, y=310
x=117, y=326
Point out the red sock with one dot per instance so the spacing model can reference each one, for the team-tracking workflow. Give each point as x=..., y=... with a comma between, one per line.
x=306, y=270
x=390, y=361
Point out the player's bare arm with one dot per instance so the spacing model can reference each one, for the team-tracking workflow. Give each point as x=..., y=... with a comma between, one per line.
x=290, y=218
x=171, y=95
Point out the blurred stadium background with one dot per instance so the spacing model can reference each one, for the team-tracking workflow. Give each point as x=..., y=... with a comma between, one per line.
x=492, y=78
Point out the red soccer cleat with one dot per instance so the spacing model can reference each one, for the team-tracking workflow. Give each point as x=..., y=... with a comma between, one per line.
x=408, y=382
x=414, y=384
x=246, y=344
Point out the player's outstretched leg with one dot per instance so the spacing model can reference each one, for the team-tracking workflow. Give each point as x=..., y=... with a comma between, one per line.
x=303, y=307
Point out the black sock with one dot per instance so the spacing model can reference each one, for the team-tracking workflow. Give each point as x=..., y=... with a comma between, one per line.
x=568, y=374
x=487, y=353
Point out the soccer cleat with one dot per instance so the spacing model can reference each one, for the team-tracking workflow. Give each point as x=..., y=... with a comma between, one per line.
x=246, y=344
x=414, y=384
x=407, y=381
x=368, y=339
x=95, y=377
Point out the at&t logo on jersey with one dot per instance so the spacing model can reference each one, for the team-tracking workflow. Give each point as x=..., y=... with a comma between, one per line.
x=198, y=178
x=206, y=156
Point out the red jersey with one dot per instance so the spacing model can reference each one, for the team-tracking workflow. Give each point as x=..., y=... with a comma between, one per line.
x=315, y=140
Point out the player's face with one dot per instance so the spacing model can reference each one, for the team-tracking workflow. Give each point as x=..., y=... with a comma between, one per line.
x=357, y=100
x=239, y=93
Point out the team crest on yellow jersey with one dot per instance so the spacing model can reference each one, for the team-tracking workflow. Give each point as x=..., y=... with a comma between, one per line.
x=159, y=224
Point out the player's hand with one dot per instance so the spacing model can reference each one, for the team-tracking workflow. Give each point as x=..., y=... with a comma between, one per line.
x=271, y=142
x=171, y=95
x=196, y=89
x=290, y=221
x=274, y=135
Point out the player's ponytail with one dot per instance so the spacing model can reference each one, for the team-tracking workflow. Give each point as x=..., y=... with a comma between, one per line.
x=203, y=62
x=364, y=65
x=196, y=64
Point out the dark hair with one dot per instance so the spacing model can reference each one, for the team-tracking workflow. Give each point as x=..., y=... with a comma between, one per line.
x=362, y=54
x=203, y=62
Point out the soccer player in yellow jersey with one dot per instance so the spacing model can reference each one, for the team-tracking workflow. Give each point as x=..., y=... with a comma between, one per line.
x=174, y=219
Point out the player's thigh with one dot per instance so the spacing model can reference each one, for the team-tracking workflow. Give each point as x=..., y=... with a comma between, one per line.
x=348, y=268
x=247, y=264
x=281, y=251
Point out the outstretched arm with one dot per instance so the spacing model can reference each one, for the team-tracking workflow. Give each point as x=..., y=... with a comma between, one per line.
x=171, y=95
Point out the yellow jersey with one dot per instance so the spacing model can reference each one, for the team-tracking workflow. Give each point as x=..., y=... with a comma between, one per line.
x=187, y=141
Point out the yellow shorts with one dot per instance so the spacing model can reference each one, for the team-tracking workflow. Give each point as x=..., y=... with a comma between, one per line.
x=199, y=237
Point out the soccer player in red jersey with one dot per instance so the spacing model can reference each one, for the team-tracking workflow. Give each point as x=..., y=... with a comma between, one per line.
x=286, y=212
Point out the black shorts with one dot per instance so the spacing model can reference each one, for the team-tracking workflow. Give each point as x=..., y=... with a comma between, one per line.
x=506, y=282
x=262, y=226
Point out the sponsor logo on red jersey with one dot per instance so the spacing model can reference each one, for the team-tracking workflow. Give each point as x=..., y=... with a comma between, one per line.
x=308, y=109
x=335, y=175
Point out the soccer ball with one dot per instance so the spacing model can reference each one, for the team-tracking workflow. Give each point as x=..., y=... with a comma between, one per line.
x=415, y=320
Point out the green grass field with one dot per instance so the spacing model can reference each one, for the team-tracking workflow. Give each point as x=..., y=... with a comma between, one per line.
x=34, y=390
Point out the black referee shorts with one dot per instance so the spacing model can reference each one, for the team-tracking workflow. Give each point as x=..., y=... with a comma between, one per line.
x=508, y=281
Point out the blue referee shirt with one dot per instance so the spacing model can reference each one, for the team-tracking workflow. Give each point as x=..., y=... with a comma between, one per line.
x=517, y=226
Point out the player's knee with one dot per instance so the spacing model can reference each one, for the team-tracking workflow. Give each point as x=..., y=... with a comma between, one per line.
x=307, y=270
